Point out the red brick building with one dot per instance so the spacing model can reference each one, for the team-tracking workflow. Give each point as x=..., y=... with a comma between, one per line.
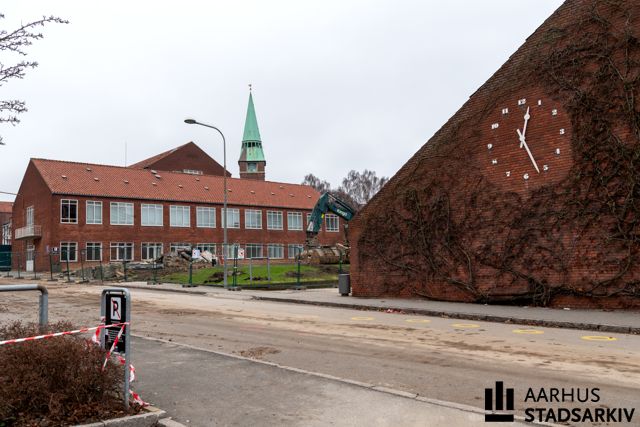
x=173, y=200
x=530, y=193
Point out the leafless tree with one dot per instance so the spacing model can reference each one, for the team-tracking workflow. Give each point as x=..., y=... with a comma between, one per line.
x=356, y=189
x=313, y=181
x=15, y=42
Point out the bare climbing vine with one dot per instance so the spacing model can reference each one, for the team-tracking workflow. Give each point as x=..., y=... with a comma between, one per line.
x=442, y=232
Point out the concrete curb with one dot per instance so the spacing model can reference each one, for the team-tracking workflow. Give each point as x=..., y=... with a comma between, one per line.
x=467, y=316
x=373, y=387
x=147, y=419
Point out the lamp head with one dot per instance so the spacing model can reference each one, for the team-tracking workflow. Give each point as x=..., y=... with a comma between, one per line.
x=190, y=121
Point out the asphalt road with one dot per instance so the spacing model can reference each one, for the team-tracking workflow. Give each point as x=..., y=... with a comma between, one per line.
x=438, y=358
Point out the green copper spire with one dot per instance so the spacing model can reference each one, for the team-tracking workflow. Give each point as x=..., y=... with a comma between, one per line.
x=251, y=142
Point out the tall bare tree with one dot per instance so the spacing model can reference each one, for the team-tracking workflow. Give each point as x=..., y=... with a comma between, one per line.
x=16, y=41
x=356, y=189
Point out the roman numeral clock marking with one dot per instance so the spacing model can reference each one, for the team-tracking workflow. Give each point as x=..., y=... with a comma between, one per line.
x=524, y=142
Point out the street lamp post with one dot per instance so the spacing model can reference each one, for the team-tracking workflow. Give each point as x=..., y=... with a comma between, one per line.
x=224, y=182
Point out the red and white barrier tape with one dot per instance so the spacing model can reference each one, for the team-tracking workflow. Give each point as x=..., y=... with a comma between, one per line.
x=59, y=334
x=95, y=338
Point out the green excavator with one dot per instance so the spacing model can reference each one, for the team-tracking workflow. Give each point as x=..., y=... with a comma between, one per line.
x=313, y=253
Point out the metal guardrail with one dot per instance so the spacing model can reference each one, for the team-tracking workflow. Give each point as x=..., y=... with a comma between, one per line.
x=43, y=312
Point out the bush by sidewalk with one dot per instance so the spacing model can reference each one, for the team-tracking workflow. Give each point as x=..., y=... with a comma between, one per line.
x=57, y=381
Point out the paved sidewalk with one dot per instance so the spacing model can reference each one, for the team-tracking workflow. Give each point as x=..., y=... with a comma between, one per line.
x=595, y=320
x=203, y=388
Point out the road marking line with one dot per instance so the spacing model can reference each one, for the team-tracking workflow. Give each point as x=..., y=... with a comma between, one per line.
x=465, y=325
x=528, y=331
x=598, y=338
x=362, y=318
x=418, y=320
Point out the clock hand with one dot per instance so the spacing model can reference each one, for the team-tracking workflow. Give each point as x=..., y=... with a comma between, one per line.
x=527, y=116
x=526, y=147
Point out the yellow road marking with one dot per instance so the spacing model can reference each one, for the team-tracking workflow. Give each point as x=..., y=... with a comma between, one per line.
x=465, y=325
x=598, y=338
x=418, y=320
x=362, y=318
x=528, y=331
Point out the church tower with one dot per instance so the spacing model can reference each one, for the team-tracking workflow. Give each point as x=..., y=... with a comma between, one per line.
x=252, y=163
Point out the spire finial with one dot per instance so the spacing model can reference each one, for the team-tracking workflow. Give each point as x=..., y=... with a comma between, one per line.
x=249, y=87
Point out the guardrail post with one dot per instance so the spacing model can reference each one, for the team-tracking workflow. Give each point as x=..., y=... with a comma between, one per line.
x=43, y=302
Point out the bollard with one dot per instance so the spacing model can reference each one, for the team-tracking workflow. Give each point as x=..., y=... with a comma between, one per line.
x=68, y=271
x=50, y=267
x=35, y=274
x=19, y=262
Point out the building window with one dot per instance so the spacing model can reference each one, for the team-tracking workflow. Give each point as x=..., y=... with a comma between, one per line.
x=209, y=247
x=94, y=251
x=275, y=251
x=308, y=218
x=206, y=217
x=274, y=220
x=294, y=221
x=252, y=219
x=94, y=212
x=151, y=251
x=180, y=216
x=175, y=247
x=232, y=218
x=69, y=251
x=253, y=250
x=151, y=215
x=332, y=223
x=121, y=213
x=68, y=211
x=252, y=167
x=232, y=251
x=6, y=233
x=192, y=171
x=294, y=250
x=121, y=251
x=29, y=217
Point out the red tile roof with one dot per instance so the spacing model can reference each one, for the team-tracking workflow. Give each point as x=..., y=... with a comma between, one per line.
x=6, y=207
x=85, y=179
x=151, y=160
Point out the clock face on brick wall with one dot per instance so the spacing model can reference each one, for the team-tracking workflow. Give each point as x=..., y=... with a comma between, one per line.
x=526, y=143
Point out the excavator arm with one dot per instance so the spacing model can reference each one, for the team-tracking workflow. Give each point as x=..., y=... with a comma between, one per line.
x=326, y=203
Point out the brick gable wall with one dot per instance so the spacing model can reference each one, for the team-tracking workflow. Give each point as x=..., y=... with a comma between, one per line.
x=450, y=226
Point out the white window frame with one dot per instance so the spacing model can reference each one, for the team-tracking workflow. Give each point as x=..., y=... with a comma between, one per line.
x=91, y=206
x=180, y=212
x=155, y=246
x=94, y=245
x=151, y=208
x=118, y=246
x=270, y=217
x=69, y=203
x=332, y=229
x=235, y=214
x=211, y=247
x=176, y=246
x=75, y=251
x=291, y=254
x=249, y=223
x=29, y=216
x=205, y=213
x=253, y=246
x=272, y=247
x=119, y=207
x=297, y=215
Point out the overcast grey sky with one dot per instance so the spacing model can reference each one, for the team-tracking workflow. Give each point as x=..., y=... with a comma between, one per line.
x=338, y=84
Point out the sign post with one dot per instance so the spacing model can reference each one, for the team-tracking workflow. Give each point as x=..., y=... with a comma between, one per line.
x=115, y=307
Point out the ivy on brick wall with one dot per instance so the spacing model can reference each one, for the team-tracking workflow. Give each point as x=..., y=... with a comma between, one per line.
x=445, y=229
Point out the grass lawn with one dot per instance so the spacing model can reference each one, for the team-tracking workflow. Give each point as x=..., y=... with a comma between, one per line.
x=280, y=273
